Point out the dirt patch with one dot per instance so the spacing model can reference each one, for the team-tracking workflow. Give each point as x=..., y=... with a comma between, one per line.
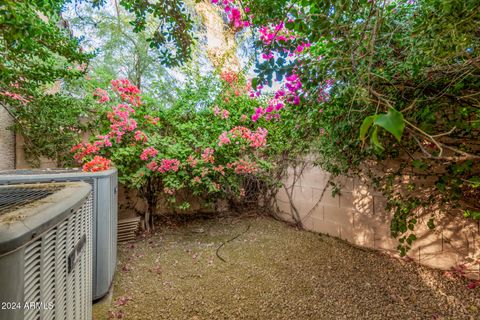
x=273, y=271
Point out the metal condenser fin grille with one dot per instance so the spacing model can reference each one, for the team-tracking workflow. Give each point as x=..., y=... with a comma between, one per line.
x=58, y=269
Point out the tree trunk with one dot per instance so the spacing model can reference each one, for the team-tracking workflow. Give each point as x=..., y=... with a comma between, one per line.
x=149, y=192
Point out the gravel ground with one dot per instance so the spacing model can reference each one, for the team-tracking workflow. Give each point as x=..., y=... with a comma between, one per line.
x=273, y=271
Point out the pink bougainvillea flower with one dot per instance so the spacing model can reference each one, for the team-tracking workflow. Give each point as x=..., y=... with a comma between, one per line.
x=243, y=167
x=83, y=149
x=223, y=139
x=197, y=180
x=148, y=153
x=296, y=100
x=140, y=136
x=15, y=96
x=97, y=164
x=207, y=155
x=192, y=161
x=234, y=14
x=258, y=138
x=267, y=56
x=219, y=169
x=168, y=165
x=225, y=114
x=127, y=91
x=102, y=95
x=152, y=166
x=151, y=119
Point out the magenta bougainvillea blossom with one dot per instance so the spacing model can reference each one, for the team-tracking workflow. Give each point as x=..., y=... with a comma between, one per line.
x=238, y=19
x=207, y=155
x=276, y=39
x=140, y=136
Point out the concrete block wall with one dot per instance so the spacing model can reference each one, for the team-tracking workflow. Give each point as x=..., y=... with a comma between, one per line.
x=357, y=214
x=21, y=160
x=12, y=154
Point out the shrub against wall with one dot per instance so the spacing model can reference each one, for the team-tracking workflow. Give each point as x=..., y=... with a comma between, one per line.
x=204, y=144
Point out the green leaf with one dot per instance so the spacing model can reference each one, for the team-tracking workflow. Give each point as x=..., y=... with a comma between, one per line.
x=374, y=138
x=366, y=124
x=440, y=186
x=419, y=164
x=472, y=214
x=411, y=238
x=474, y=182
x=392, y=121
x=254, y=83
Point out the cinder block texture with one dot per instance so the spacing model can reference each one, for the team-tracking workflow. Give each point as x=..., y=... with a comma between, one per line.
x=357, y=214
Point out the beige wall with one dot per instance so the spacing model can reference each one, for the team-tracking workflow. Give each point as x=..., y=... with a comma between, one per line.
x=21, y=161
x=358, y=216
x=7, y=142
x=12, y=154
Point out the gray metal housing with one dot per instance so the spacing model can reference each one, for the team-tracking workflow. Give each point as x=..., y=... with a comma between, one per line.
x=46, y=255
x=105, y=203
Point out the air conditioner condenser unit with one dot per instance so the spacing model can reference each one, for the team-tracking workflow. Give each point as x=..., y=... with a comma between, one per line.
x=46, y=251
x=104, y=205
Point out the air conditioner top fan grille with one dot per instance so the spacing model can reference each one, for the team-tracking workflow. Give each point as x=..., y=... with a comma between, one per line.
x=26, y=211
x=15, y=197
x=39, y=171
x=22, y=176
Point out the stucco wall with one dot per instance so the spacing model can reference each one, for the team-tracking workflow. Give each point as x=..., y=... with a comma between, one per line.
x=12, y=154
x=7, y=142
x=21, y=160
x=358, y=216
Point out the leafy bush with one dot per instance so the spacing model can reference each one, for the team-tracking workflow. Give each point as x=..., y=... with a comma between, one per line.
x=204, y=145
x=393, y=80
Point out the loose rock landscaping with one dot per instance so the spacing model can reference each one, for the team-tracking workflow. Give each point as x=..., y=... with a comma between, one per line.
x=273, y=271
